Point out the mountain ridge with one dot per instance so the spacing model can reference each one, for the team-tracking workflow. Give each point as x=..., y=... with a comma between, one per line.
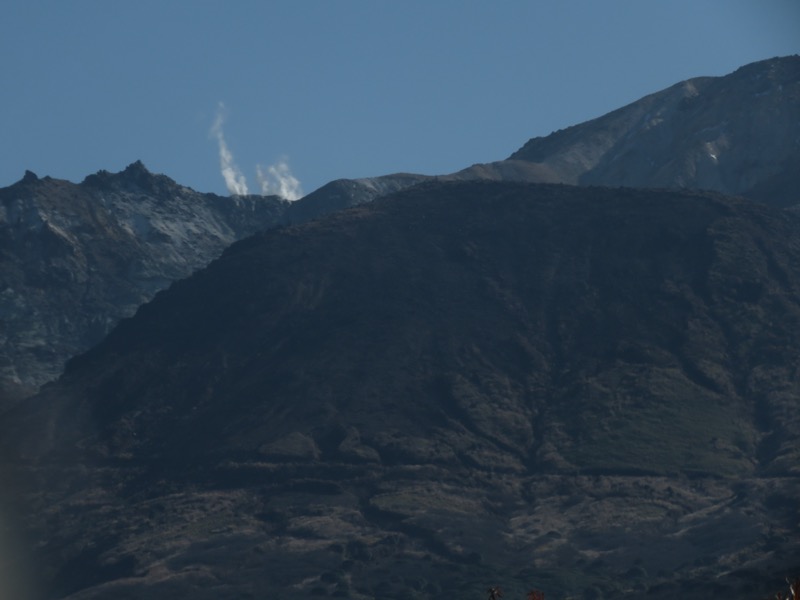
x=695, y=134
x=77, y=257
x=625, y=147
x=453, y=382
x=604, y=150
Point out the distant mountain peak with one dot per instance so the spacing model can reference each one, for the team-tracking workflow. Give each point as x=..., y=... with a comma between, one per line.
x=135, y=174
x=736, y=134
x=29, y=177
x=136, y=169
x=780, y=66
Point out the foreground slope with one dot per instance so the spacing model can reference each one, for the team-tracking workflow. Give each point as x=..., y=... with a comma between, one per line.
x=585, y=390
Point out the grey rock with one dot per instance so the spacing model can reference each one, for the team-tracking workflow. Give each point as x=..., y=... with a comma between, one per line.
x=77, y=258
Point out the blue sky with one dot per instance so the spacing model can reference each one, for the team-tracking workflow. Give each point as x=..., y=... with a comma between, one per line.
x=342, y=88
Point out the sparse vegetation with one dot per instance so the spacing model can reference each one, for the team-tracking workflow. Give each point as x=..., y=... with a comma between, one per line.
x=464, y=383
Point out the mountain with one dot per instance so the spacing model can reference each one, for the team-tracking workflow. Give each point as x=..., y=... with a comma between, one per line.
x=460, y=381
x=75, y=258
x=736, y=134
x=585, y=390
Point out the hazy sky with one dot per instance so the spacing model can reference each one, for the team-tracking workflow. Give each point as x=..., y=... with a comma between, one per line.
x=342, y=88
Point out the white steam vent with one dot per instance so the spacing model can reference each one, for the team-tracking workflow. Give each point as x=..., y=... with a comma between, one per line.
x=276, y=179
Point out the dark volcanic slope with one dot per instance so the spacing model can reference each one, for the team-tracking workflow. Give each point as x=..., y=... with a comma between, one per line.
x=424, y=310
x=589, y=390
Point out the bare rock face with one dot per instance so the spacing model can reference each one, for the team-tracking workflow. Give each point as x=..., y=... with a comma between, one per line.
x=738, y=134
x=74, y=259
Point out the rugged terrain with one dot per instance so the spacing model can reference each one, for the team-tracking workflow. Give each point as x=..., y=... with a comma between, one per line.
x=75, y=258
x=738, y=134
x=586, y=390
x=590, y=391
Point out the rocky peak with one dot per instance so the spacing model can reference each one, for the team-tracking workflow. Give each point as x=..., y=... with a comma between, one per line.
x=134, y=177
x=74, y=259
x=29, y=177
x=136, y=171
x=735, y=134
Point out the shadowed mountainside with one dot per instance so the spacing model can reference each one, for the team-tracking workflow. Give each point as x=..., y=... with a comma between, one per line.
x=585, y=390
x=737, y=134
x=75, y=258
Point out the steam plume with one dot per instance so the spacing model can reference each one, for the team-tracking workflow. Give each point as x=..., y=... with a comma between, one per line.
x=278, y=179
x=234, y=178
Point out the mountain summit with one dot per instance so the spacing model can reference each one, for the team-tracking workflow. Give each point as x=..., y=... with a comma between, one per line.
x=736, y=134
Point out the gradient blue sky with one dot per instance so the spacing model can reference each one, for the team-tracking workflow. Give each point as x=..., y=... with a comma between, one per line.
x=343, y=88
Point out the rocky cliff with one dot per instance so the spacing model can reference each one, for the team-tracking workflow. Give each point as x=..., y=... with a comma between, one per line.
x=76, y=258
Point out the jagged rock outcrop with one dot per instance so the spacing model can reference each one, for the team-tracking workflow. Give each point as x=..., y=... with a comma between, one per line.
x=76, y=258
